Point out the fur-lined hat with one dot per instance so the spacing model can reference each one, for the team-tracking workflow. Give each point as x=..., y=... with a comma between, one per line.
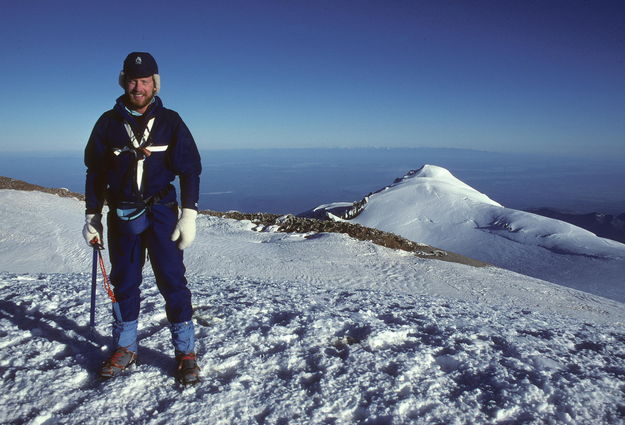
x=140, y=65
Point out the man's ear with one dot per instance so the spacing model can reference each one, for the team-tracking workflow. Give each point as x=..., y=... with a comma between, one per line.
x=157, y=83
x=122, y=80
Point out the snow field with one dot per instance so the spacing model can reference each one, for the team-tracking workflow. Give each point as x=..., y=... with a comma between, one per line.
x=301, y=329
x=292, y=354
x=38, y=228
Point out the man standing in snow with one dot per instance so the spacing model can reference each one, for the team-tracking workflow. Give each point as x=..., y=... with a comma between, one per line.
x=135, y=152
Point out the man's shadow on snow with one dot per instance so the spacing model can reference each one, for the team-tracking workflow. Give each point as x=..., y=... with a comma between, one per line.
x=81, y=344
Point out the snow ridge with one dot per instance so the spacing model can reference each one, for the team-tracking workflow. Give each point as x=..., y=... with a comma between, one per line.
x=432, y=176
x=298, y=328
x=429, y=205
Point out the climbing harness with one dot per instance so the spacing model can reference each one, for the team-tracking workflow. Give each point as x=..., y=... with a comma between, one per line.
x=132, y=214
x=141, y=149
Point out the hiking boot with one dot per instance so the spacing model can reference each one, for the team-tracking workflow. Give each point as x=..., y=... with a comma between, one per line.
x=188, y=371
x=119, y=360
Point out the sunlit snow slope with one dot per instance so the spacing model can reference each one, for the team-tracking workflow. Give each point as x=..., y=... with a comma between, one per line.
x=300, y=329
x=431, y=206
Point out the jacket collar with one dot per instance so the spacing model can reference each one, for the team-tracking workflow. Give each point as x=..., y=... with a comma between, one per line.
x=120, y=108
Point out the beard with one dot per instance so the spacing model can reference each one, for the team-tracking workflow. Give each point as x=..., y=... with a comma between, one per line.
x=137, y=102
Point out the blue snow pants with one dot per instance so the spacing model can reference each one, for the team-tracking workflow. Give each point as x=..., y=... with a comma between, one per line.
x=128, y=254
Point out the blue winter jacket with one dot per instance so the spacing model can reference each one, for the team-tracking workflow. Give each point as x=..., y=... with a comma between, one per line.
x=111, y=174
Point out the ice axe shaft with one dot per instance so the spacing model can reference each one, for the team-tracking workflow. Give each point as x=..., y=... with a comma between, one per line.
x=94, y=278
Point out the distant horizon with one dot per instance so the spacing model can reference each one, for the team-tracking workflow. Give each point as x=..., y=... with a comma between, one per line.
x=563, y=155
x=297, y=179
x=526, y=77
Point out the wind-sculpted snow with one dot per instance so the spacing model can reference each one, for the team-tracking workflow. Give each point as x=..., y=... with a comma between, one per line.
x=433, y=177
x=41, y=232
x=604, y=225
x=293, y=353
x=431, y=206
x=301, y=329
x=554, y=235
x=234, y=249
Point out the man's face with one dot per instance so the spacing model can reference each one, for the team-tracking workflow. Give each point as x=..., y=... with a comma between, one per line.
x=140, y=92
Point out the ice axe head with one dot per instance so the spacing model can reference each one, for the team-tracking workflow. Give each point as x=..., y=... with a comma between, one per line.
x=95, y=243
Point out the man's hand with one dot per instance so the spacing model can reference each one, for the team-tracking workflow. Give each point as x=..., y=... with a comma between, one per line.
x=184, y=232
x=92, y=231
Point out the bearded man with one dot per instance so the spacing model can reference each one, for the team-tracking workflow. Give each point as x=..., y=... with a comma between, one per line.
x=133, y=155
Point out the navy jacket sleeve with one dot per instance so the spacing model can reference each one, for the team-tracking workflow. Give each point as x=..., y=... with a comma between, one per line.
x=95, y=160
x=186, y=163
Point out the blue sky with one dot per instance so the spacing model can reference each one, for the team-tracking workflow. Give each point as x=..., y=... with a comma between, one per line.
x=511, y=76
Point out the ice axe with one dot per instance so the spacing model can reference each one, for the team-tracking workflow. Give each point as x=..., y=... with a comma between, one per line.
x=97, y=258
x=94, y=278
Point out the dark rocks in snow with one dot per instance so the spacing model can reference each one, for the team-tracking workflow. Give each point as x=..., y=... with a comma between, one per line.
x=292, y=224
x=9, y=183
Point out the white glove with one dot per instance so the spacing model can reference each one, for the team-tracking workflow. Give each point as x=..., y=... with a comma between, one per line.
x=184, y=232
x=93, y=229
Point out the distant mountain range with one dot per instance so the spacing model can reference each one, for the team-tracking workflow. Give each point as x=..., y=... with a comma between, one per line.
x=602, y=225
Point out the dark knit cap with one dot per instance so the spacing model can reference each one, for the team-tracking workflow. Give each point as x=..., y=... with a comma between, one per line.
x=140, y=65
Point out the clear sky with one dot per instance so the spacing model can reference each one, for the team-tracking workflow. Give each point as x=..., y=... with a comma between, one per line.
x=530, y=76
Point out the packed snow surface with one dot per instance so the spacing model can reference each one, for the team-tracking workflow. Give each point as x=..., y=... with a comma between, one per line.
x=301, y=329
x=431, y=206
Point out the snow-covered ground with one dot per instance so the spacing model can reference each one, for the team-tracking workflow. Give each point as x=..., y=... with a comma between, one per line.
x=301, y=329
x=431, y=206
